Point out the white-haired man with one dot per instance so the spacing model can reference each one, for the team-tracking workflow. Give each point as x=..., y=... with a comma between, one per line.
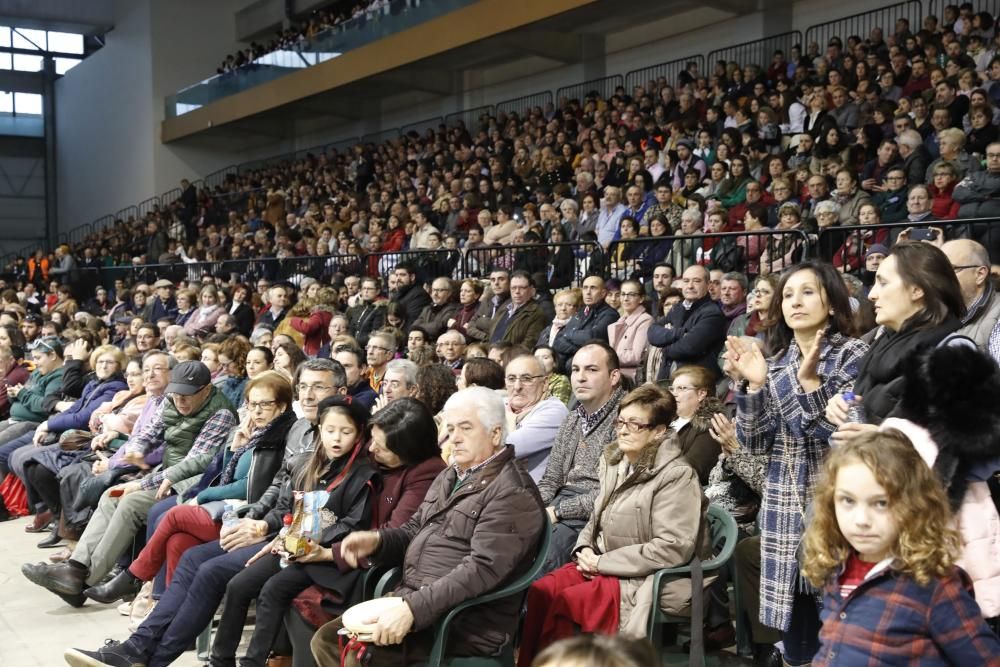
x=477, y=529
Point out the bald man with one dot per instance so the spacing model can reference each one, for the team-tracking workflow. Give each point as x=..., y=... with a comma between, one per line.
x=434, y=318
x=971, y=262
x=694, y=330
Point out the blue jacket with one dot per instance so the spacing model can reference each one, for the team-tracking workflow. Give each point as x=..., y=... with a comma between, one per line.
x=581, y=329
x=78, y=415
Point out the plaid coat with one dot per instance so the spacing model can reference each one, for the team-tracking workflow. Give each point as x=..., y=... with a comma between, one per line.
x=788, y=424
x=891, y=620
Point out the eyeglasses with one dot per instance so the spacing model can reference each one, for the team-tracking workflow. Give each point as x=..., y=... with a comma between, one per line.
x=261, y=405
x=314, y=388
x=678, y=390
x=963, y=267
x=376, y=347
x=629, y=295
x=523, y=379
x=632, y=427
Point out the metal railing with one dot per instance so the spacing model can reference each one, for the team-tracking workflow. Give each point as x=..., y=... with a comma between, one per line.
x=757, y=52
x=668, y=71
x=936, y=8
x=218, y=177
x=604, y=87
x=379, y=137
x=421, y=126
x=521, y=105
x=862, y=24
x=147, y=206
x=469, y=118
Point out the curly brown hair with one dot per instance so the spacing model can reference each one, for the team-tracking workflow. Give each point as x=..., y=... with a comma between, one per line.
x=928, y=543
x=436, y=385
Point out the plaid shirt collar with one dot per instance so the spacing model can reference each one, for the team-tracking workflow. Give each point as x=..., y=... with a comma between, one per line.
x=462, y=476
x=591, y=421
x=979, y=303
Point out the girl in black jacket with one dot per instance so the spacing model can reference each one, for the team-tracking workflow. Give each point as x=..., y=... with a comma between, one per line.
x=337, y=465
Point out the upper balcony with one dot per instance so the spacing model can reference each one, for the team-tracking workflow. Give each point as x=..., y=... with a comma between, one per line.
x=428, y=47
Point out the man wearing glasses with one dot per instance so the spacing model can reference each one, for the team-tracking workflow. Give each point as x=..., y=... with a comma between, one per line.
x=972, y=268
x=979, y=197
x=891, y=198
x=914, y=155
x=367, y=316
x=191, y=425
x=381, y=349
x=434, y=318
x=522, y=319
x=570, y=482
x=536, y=419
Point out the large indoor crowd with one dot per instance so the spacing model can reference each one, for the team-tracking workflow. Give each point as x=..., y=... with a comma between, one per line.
x=564, y=346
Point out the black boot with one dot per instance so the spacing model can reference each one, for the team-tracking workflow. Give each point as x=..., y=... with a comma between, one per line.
x=124, y=585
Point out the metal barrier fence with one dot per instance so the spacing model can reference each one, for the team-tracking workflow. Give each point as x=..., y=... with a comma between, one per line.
x=668, y=71
x=604, y=87
x=422, y=125
x=564, y=264
x=379, y=137
x=469, y=118
x=521, y=105
x=169, y=197
x=128, y=212
x=862, y=24
x=758, y=52
x=936, y=8
x=217, y=178
x=148, y=206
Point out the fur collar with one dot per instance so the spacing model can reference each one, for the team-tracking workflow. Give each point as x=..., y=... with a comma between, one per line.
x=703, y=417
x=953, y=392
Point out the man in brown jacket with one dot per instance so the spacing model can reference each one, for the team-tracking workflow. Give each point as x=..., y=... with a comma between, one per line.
x=478, y=528
x=520, y=322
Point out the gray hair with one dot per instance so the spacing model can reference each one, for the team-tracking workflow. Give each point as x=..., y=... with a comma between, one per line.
x=258, y=333
x=826, y=206
x=738, y=277
x=691, y=214
x=404, y=367
x=488, y=404
x=171, y=362
x=909, y=138
x=331, y=366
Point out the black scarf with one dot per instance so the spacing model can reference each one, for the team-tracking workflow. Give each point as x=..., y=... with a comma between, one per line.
x=880, y=373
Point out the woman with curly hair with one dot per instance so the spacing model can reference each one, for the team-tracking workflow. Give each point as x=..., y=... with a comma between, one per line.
x=882, y=542
x=232, y=356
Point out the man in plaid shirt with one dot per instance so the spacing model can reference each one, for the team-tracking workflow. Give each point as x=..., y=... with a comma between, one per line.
x=189, y=427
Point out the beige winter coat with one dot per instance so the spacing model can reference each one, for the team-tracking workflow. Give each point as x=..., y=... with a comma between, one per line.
x=645, y=521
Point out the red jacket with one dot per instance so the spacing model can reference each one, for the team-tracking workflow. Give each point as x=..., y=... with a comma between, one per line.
x=943, y=207
x=315, y=329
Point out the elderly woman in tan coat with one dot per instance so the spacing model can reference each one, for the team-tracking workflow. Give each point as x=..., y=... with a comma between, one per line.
x=649, y=514
x=628, y=334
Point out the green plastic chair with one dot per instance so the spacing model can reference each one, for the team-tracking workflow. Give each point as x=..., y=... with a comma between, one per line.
x=517, y=587
x=722, y=528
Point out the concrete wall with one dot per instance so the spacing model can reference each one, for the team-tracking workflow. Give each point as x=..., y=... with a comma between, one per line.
x=109, y=108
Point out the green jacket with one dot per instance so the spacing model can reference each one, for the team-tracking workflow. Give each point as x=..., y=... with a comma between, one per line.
x=27, y=407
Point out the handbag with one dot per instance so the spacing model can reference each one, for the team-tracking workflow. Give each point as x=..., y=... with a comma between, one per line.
x=74, y=440
x=91, y=489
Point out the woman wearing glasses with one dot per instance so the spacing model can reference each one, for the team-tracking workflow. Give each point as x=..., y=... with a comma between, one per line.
x=647, y=515
x=628, y=335
x=693, y=388
x=240, y=472
x=779, y=412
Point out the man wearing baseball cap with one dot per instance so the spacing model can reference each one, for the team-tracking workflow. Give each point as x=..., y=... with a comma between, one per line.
x=190, y=426
x=164, y=304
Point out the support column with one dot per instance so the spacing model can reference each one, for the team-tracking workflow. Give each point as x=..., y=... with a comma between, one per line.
x=593, y=57
x=49, y=120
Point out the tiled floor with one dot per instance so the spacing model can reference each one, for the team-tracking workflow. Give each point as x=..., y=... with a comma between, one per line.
x=35, y=625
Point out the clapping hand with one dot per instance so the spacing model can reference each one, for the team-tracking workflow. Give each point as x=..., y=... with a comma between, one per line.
x=808, y=376
x=747, y=360
x=723, y=431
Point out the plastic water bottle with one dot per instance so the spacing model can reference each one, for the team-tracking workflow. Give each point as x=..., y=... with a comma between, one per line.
x=286, y=526
x=855, y=408
x=230, y=518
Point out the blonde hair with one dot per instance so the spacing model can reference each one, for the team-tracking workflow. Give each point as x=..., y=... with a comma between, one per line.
x=113, y=350
x=575, y=294
x=928, y=543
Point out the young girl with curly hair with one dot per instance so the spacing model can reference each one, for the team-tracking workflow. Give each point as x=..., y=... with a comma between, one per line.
x=883, y=543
